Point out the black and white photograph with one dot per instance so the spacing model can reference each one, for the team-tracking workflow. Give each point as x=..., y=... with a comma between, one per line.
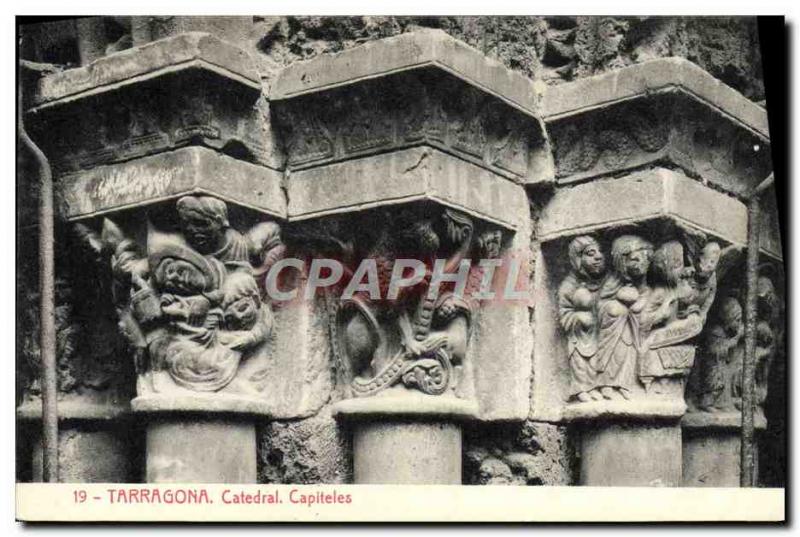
x=328, y=268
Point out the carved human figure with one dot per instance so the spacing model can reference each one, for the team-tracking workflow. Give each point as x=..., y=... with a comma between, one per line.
x=204, y=223
x=185, y=287
x=720, y=371
x=623, y=297
x=577, y=308
x=191, y=308
x=705, y=277
x=246, y=322
x=766, y=334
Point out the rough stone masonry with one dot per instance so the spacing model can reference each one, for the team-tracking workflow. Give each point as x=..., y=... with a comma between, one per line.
x=610, y=158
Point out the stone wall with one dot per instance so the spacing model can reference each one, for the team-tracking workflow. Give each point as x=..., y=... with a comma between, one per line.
x=555, y=49
x=305, y=443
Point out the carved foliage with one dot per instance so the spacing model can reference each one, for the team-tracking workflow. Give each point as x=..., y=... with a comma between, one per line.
x=609, y=139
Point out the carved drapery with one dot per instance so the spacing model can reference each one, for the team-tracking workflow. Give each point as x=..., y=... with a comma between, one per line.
x=716, y=383
x=632, y=320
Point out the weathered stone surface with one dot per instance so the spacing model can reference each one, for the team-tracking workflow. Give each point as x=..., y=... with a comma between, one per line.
x=711, y=458
x=631, y=455
x=305, y=451
x=393, y=403
x=531, y=453
x=641, y=196
x=92, y=453
x=556, y=49
x=188, y=449
x=397, y=111
x=169, y=175
x=211, y=404
x=650, y=77
x=391, y=451
x=75, y=409
x=720, y=420
x=399, y=93
x=233, y=29
x=194, y=50
x=298, y=378
x=415, y=50
x=641, y=410
x=401, y=177
x=503, y=338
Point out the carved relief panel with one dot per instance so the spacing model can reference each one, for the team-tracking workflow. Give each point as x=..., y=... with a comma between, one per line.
x=392, y=338
x=154, y=116
x=716, y=383
x=188, y=289
x=632, y=309
x=407, y=109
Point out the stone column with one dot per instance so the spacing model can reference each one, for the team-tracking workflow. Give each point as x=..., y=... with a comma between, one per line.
x=95, y=445
x=214, y=445
x=417, y=147
x=632, y=254
x=405, y=440
x=630, y=452
x=166, y=173
x=712, y=447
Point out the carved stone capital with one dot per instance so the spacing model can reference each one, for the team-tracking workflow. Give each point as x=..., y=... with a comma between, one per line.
x=188, y=290
x=411, y=344
x=424, y=130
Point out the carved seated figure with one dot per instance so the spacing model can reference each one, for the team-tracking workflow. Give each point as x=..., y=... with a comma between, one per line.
x=720, y=371
x=671, y=319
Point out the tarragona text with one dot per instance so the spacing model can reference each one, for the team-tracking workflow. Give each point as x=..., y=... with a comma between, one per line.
x=181, y=496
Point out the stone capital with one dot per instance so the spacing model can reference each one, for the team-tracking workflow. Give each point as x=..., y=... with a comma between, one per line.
x=408, y=140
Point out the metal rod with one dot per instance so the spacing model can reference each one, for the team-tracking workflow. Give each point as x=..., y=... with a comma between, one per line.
x=747, y=466
x=765, y=184
x=47, y=335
